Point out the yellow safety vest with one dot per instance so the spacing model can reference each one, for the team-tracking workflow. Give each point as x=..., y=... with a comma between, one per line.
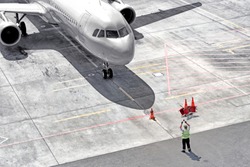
x=185, y=134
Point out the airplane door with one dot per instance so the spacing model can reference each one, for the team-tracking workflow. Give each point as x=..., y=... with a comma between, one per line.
x=83, y=22
x=82, y=27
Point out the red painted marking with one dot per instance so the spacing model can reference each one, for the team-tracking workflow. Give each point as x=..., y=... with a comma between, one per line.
x=114, y=122
x=73, y=131
x=167, y=70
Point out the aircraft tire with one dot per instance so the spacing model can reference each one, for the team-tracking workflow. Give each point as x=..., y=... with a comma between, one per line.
x=105, y=74
x=110, y=73
x=23, y=29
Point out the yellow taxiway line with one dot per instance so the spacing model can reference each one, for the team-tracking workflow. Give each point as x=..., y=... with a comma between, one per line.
x=151, y=71
x=77, y=79
x=72, y=87
x=186, y=94
x=219, y=44
x=150, y=65
x=231, y=50
x=83, y=115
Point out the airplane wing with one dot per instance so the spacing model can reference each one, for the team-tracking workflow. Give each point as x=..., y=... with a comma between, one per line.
x=29, y=8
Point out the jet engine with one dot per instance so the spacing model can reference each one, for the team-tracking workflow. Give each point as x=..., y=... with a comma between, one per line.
x=10, y=33
x=127, y=11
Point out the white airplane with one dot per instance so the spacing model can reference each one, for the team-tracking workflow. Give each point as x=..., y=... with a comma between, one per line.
x=100, y=27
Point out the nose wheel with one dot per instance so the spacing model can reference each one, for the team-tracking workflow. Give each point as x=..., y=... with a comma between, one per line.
x=107, y=72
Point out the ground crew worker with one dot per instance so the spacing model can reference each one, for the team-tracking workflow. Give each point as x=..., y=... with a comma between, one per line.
x=185, y=136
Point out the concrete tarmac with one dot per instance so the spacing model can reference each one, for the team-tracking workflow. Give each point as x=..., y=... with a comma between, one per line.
x=227, y=146
x=56, y=108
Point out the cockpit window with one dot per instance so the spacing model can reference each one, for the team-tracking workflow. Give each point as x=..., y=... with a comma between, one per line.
x=111, y=34
x=95, y=32
x=123, y=32
x=101, y=34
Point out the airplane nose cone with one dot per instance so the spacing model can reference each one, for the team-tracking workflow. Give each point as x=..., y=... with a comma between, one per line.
x=127, y=53
x=123, y=51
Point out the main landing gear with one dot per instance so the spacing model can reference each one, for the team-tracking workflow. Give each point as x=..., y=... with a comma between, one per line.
x=23, y=29
x=107, y=72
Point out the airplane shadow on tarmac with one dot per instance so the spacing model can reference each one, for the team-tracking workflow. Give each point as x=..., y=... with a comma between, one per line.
x=162, y=14
x=126, y=88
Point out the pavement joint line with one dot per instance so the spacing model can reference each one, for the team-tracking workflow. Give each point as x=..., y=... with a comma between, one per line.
x=6, y=86
x=123, y=91
x=235, y=87
x=72, y=87
x=14, y=122
x=109, y=123
x=84, y=115
x=34, y=124
x=159, y=123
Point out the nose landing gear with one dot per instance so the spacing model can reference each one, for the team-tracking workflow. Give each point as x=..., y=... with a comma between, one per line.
x=107, y=72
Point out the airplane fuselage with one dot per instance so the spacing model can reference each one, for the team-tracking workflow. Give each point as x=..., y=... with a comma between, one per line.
x=97, y=26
